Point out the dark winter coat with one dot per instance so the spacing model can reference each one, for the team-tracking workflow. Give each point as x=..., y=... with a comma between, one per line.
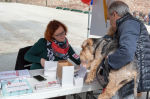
x=141, y=40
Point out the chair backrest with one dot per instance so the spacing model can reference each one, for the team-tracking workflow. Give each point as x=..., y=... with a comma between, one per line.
x=20, y=62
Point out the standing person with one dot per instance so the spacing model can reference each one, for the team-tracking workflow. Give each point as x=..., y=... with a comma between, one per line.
x=134, y=14
x=146, y=19
x=54, y=46
x=133, y=42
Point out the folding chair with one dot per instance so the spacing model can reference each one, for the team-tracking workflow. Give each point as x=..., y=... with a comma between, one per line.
x=20, y=62
x=147, y=95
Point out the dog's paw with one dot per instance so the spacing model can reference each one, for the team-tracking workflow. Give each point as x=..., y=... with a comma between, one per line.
x=103, y=97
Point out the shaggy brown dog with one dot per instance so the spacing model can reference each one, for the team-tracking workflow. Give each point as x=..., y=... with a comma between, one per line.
x=93, y=52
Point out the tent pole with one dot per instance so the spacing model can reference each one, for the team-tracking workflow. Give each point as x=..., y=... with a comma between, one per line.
x=89, y=21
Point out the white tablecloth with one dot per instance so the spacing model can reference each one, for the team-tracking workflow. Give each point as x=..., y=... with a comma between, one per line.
x=48, y=93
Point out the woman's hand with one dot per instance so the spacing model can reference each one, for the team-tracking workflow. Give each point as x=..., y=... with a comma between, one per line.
x=43, y=62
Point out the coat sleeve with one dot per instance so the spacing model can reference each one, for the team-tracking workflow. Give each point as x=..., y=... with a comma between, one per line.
x=33, y=55
x=128, y=35
x=73, y=56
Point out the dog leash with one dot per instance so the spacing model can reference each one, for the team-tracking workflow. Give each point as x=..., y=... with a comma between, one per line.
x=103, y=73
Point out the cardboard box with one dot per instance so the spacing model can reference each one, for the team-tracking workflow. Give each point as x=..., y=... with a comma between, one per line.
x=61, y=64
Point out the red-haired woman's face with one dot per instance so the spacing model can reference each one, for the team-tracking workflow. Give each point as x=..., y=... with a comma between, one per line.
x=59, y=34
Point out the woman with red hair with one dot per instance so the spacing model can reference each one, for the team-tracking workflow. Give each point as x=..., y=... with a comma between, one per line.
x=53, y=47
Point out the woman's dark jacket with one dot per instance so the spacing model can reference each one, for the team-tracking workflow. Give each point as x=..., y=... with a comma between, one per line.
x=39, y=50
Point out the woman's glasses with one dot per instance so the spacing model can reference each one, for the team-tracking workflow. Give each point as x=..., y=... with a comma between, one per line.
x=60, y=34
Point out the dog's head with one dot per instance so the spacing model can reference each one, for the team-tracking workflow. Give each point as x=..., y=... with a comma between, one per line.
x=91, y=46
x=87, y=52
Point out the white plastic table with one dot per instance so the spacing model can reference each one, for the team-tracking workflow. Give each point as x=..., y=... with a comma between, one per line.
x=54, y=92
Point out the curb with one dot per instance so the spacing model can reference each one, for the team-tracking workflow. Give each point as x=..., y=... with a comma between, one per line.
x=74, y=10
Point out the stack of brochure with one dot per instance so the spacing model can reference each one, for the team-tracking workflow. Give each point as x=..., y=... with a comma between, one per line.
x=15, y=87
x=14, y=74
x=45, y=85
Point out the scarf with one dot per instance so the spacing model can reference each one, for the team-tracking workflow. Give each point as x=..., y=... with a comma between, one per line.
x=59, y=49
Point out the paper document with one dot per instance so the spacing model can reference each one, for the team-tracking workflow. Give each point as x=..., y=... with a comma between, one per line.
x=50, y=68
x=67, y=76
x=15, y=87
x=50, y=65
x=81, y=73
x=51, y=84
x=79, y=76
x=14, y=74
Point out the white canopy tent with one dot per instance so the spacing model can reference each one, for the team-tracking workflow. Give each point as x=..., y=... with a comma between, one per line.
x=99, y=23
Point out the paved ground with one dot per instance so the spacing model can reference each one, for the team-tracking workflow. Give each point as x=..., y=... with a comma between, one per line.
x=22, y=25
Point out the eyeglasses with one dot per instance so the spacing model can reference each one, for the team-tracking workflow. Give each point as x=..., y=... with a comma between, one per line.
x=61, y=34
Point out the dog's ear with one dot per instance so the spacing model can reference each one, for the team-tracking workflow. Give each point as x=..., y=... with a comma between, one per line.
x=88, y=42
x=84, y=44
